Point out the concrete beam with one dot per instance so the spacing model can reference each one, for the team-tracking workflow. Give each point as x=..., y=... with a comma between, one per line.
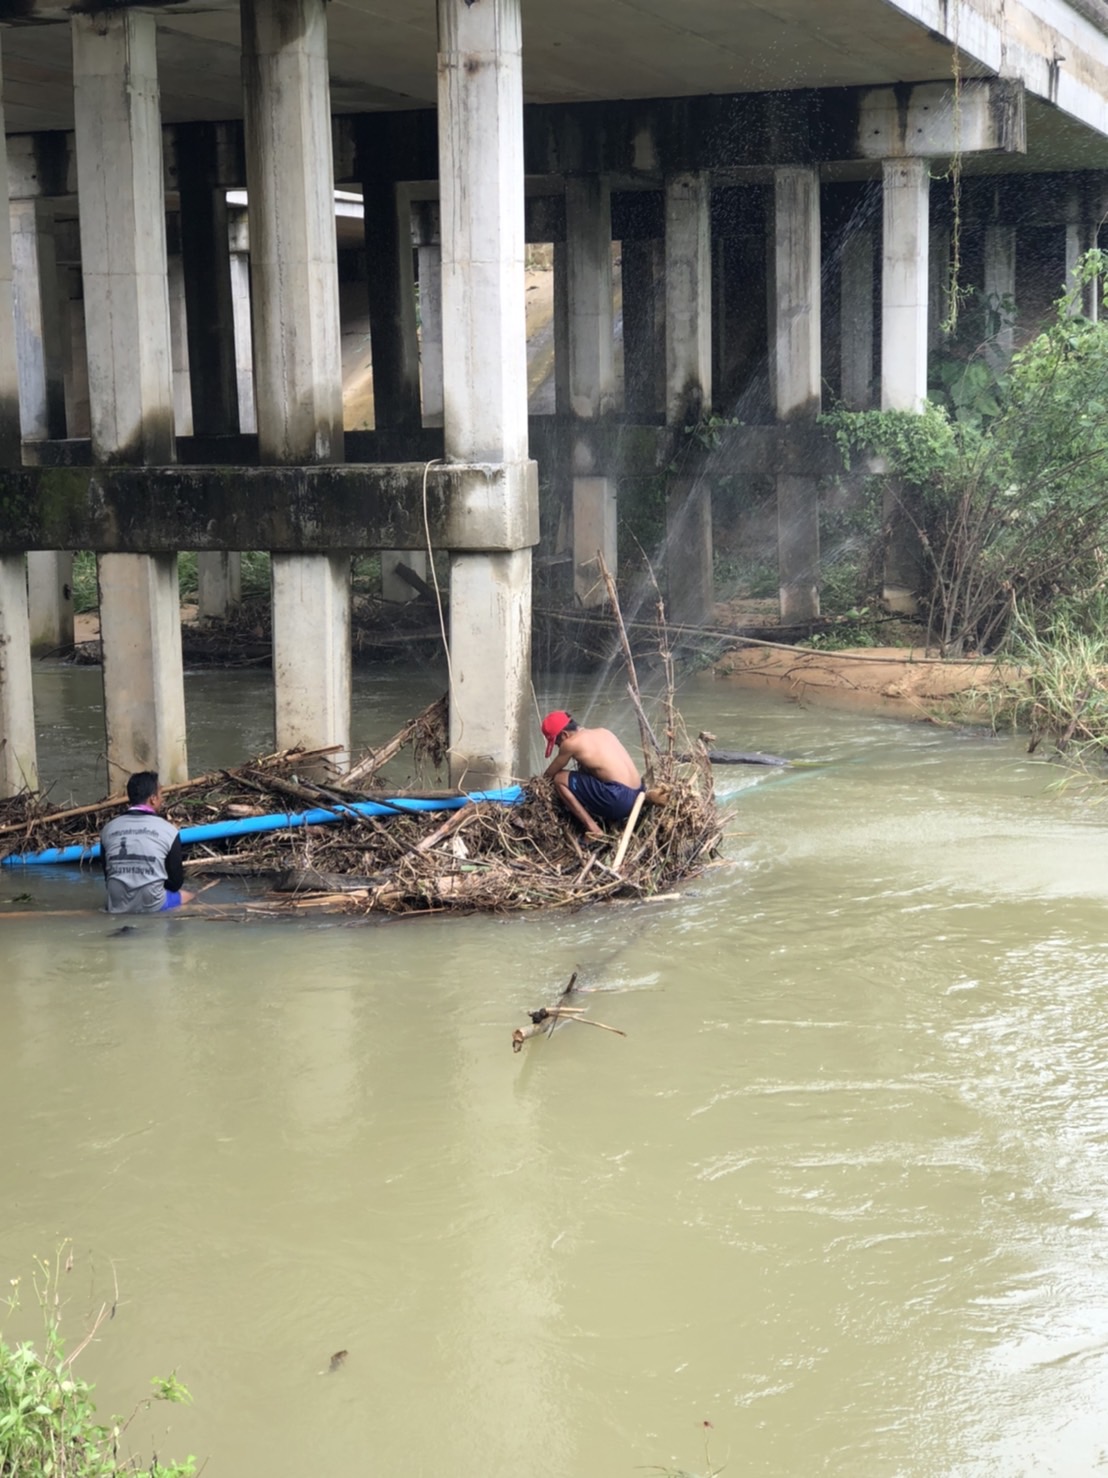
x=310, y=510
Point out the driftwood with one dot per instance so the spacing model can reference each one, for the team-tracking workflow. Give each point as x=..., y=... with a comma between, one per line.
x=433, y=715
x=211, y=778
x=546, y=1018
x=417, y=582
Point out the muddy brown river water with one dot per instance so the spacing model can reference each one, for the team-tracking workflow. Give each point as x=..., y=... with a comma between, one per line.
x=840, y=1192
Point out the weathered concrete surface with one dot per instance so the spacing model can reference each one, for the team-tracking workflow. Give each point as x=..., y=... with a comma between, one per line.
x=144, y=691
x=480, y=119
x=795, y=296
x=284, y=509
x=18, y=763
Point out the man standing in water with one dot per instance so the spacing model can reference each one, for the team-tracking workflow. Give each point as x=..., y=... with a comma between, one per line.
x=140, y=853
x=605, y=783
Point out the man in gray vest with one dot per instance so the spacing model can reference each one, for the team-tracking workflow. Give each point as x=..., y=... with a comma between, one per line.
x=140, y=853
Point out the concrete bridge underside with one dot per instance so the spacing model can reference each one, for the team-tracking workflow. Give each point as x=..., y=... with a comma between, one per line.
x=132, y=285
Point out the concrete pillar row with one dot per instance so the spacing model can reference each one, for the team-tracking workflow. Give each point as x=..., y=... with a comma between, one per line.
x=118, y=142
x=18, y=761
x=688, y=277
x=297, y=354
x=480, y=123
x=794, y=320
x=905, y=323
x=591, y=384
x=39, y=328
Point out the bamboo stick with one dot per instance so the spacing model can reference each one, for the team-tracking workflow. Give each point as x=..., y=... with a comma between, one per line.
x=625, y=839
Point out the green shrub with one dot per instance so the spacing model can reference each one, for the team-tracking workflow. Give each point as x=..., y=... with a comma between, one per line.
x=49, y=1427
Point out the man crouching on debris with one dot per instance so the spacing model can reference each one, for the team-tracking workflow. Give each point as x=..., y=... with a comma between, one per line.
x=140, y=853
x=605, y=783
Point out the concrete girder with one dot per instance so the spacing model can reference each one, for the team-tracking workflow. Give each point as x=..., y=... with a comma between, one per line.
x=639, y=140
x=313, y=509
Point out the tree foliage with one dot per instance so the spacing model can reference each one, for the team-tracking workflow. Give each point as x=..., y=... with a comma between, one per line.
x=1008, y=494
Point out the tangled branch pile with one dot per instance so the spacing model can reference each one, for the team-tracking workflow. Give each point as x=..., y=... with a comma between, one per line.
x=483, y=856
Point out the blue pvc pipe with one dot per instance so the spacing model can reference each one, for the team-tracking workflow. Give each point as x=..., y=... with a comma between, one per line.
x=218, y=830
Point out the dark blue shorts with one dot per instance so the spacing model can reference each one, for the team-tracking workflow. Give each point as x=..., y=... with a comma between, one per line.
x=172, y=900
x=607, y=800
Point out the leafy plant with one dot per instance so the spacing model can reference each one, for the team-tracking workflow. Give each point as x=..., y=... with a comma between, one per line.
x=1009, y=512
x=48, y=1422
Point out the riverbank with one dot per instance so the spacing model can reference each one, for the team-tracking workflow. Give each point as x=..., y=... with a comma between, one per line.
x=904, y=682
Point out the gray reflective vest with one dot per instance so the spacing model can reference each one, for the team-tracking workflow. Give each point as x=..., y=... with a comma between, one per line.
x=133, y=849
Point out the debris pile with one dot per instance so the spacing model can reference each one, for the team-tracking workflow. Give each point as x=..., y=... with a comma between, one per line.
x=484, y=856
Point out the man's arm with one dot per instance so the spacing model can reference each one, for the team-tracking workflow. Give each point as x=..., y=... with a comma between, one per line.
x=174, y=867
x=559, y=762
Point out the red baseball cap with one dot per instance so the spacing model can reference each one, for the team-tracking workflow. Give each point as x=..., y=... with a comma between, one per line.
x=552, y=725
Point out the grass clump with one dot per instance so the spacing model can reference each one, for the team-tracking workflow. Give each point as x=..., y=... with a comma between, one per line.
x=49, y=1427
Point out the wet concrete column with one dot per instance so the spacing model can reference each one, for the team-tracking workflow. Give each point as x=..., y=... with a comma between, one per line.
x=905, y=274
x=178, y=332
x=394, y=340
x=688, y=259
x=856, y=319
x=480, y=120
x=1081, y=236
x=1000, y=291
x=938, y=287
x=118, y=140
x=591, y=379
x=209, y=321
x=425, y=223
x=297, y=356
x=18, y=762
x=238, y=237
x=795, y=302
x=39, y=325
x=641, y=268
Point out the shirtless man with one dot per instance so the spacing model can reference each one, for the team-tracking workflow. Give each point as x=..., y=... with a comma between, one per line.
x=605, y=783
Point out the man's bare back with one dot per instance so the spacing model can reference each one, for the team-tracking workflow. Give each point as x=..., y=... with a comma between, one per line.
x=600, y=753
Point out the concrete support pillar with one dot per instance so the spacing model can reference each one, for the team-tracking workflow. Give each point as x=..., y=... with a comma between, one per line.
x=591, y=378
x=905, y=266
x=209, y=324
x=856, y=319
x=18, y=763
x=219, y=583
x=179, y=346
x=795, y=304
x=480, y=116
x=297, y=357
x=40, y=347
x=1000, y=291
x=429, y=266
x=238, y=235
x=1080, y=238
x=688, y=258
x=641, y=268
x=413, y=388
x=118, y=140
x=560, y=286
x=905, y=273
x=938, y=287
x=392, y=306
